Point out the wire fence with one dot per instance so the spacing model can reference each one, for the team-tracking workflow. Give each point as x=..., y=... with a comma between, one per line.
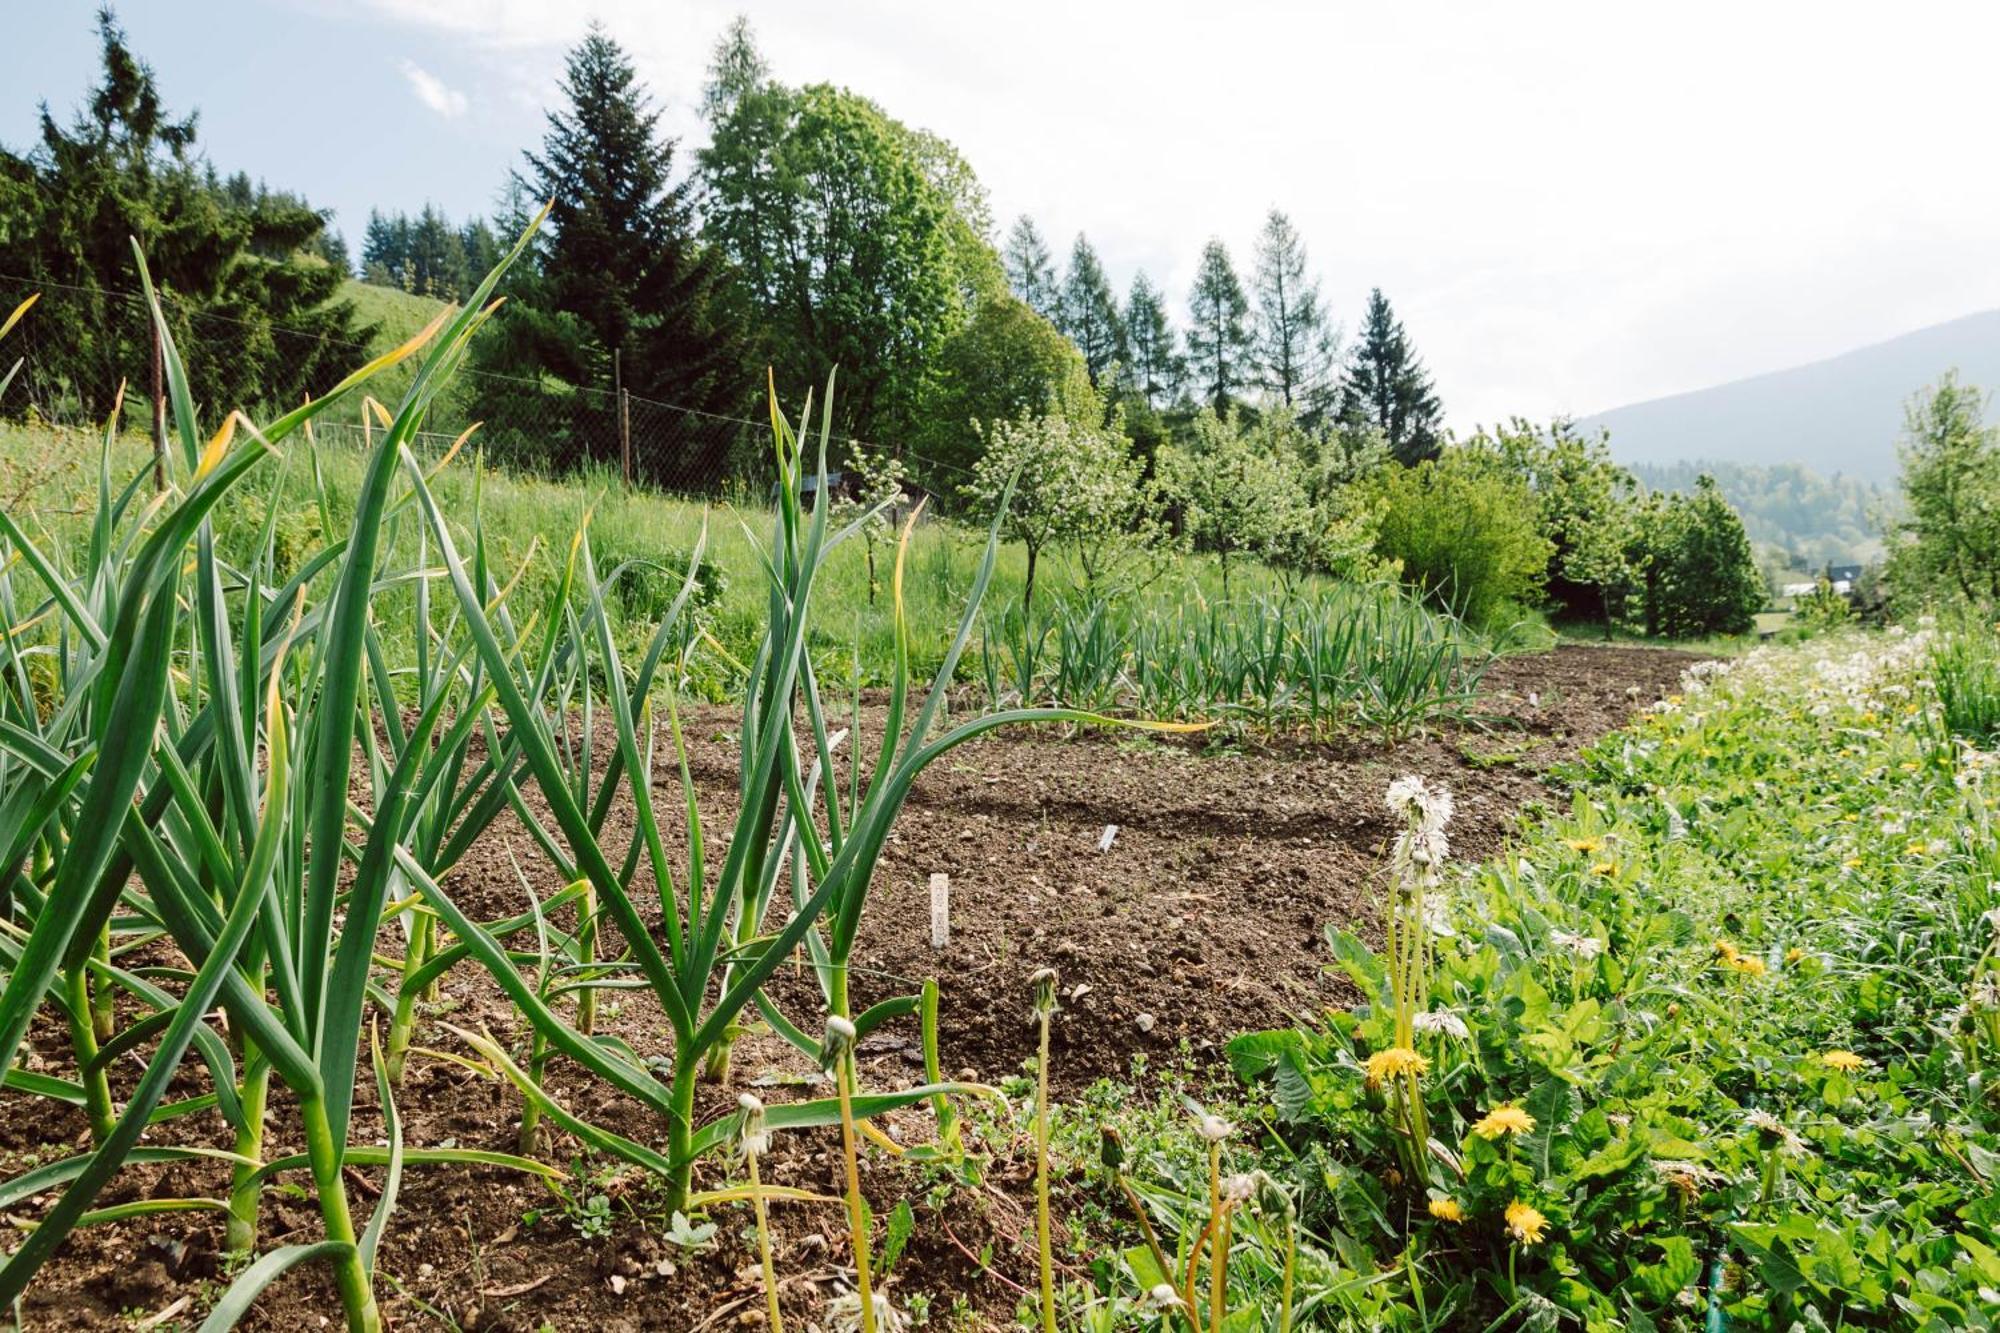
x=80, y=348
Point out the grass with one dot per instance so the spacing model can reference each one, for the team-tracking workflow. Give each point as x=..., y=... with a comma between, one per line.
x=48, y=474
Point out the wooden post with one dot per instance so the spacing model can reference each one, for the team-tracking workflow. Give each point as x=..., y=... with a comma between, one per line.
x=624, y=408
x=625, y=431
x=159, y=411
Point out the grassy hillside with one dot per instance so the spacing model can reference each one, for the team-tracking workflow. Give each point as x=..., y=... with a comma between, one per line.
x=1841, y=415
x=50, y=475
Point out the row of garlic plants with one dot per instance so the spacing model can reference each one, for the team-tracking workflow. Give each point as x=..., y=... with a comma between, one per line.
x=181, y=835
x=1314, y=660
x=1717, y=1046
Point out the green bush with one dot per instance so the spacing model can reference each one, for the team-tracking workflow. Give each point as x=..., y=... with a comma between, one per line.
x=1463, y=532
x=1697, y=575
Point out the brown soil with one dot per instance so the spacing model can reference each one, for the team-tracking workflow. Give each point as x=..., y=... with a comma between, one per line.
x=1205, y=916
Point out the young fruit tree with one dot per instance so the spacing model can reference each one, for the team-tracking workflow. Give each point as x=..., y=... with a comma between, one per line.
x=1073, y=482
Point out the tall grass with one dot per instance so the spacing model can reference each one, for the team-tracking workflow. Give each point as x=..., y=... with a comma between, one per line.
x=1965, y=665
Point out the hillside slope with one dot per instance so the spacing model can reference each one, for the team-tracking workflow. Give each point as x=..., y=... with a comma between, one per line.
x=1841, y=415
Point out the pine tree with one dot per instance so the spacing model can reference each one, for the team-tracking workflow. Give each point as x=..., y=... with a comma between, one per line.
x=1220, y=349
x=623, y=258
x=1030, y=272
x=1153, y=367
x=1386, y=386
x=247, y=295
x=1294, y=341
x=1090, y=312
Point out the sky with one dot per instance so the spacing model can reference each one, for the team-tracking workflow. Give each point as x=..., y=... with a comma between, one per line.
x=1572, y=206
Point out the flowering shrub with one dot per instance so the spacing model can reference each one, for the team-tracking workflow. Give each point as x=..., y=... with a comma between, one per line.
x=1722, y=1040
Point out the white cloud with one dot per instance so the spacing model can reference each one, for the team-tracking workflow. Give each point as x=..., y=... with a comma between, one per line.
x=433, y=92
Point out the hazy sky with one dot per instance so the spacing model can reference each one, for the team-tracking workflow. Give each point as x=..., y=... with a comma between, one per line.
x=1572, y=206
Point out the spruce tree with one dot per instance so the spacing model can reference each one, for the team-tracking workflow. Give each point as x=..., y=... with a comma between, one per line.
x=1294, y=340
x=1153, y=366
x=252, y=304
x=1030, y=272
x=1387, y=387
x=1220, y=349
x=623, y=258
x=1090, y=312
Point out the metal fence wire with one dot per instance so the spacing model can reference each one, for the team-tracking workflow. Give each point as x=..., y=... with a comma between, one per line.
x=537, y=426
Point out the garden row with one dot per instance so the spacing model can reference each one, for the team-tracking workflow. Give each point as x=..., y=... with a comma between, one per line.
x=1718, y=1043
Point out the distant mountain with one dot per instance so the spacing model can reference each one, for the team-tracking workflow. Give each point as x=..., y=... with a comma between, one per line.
x=1841, y=415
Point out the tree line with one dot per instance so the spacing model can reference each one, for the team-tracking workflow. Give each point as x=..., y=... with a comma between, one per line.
x=814, y=232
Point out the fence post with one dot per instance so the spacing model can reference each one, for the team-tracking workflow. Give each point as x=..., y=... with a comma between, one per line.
x=625, y=431
x=159, y=411
x=622, y=404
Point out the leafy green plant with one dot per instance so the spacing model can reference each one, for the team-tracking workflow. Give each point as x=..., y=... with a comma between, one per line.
x=1463, y=532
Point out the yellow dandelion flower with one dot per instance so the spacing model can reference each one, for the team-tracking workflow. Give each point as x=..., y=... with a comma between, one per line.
x=1526, y=1222
x=1916, y=847
x=1447, y=1210
x=1725, y=950
x=1394, y=1063
x=1793, y=954
x=1505, y=1118
x=1748, y=966
x=1605, y=868
x=1584, y=845
x=1847, y=1062
x=1852, y=863
x=1850, y=818
x=1910, y=766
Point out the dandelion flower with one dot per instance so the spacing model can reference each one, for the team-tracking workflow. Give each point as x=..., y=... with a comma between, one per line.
x=1772, y=1132
x=1432, y=805
x=1441, y=1020
x=1605, y=868
x=1794, y=954
x=1394, y=1063
x=1505, y=1118
x=1583, y=946
x=1748, y=966
x=1447, y=1210
x=1847, y=1062
x=1526, y=1222
x=1725, y=950
x=845, y=1311
x=1587, y=846
x=1215, y=1129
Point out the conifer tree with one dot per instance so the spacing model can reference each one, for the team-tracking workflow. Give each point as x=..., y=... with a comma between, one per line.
x=1294, y=340
x=1030, y=272
x=1387, y=387
x=1090, y=312
x=1220, y=349
x=1153, y=366
x=623, y=258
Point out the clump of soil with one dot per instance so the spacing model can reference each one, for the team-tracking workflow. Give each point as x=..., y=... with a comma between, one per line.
x=1182, y=893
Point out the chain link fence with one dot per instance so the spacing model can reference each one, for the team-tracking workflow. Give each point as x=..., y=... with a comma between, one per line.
x=536, y=426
